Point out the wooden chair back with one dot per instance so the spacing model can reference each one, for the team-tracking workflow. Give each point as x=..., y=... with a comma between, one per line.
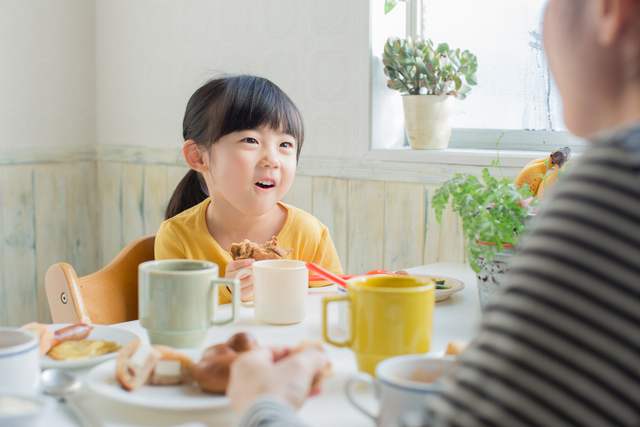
x=107, y=296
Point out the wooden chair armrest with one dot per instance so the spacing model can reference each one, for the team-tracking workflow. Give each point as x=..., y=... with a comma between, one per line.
x=63, y=294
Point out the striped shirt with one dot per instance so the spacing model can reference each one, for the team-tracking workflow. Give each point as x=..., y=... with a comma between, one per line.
x=561, y=346
x=268, y=411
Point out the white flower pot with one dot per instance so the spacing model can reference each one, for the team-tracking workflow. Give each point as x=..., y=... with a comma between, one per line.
x=428, y=120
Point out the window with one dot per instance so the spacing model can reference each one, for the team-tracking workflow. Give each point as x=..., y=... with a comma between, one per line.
x=515, y=93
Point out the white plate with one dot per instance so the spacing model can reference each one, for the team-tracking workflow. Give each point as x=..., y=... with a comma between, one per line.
x=102, y=380
x=442, y=294
x=99, y=332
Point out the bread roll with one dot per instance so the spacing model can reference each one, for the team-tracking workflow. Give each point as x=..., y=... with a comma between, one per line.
x=242, y=342
x=212, y=372
x=135, y=363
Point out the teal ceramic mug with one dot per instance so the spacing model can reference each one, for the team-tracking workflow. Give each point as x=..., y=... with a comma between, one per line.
x=178, y=301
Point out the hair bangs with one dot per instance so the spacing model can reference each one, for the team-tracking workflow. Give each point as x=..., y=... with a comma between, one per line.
x=253, y=102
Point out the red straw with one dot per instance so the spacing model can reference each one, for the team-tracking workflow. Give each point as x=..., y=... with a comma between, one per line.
x=325, y=274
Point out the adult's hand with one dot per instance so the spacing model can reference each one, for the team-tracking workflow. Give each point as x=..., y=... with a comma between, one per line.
x=276, y=372
x=246, y=283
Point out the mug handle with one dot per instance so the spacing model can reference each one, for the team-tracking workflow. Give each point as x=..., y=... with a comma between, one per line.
x=325, y=335
x=235, y=300
x=241, y=275
x=367, y=380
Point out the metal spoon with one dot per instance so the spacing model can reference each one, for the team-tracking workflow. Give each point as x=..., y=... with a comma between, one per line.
x=61, y=384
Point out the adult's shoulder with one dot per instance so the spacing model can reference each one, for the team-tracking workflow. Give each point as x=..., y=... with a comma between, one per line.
x=616, y=148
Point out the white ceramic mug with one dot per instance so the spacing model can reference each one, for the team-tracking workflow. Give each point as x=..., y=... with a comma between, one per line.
x=19, y=361
x=280, y=290
x=402, y=384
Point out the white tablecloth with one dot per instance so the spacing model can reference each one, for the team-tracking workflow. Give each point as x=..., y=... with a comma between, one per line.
x=457, y=317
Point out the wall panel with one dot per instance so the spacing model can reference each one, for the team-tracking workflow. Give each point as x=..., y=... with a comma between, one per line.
x=51, y=228
x=300, y=194
x=154, y=197
x=404, y=225
x=366, y=226
x=330, y=206
x=82, y=217
x=446, y=242
x=132, y=202
x=110, y=193
x=19, y=260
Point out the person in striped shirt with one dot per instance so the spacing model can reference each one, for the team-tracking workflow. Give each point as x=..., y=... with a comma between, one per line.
x=561, y=346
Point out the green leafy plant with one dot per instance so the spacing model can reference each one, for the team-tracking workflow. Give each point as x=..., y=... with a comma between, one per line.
x=390, y=4
x=494, y=212
x=416, y=67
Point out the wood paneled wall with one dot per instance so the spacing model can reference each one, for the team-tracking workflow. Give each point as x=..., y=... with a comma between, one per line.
x=48, y=214
x=85, y=212
x=380, y=224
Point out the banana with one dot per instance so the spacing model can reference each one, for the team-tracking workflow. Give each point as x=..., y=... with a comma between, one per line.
x=549, y=181
x=530, y=174
x=535, y=172
x=540, y=160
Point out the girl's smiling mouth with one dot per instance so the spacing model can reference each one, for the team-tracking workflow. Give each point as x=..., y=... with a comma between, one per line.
x=266, y=184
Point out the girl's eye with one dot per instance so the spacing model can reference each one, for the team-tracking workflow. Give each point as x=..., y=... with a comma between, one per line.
x=287, y=144
x=251, y=140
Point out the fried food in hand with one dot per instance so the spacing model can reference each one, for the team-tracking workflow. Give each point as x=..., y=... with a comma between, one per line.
x=247, y=249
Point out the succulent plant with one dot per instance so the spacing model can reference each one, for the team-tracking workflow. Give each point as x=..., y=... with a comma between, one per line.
x=414, y=65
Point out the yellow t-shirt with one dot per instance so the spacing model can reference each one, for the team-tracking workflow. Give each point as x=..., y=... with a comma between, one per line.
x=186, y=236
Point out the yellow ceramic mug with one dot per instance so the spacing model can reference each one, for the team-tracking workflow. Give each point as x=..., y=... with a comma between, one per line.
x=390, y=316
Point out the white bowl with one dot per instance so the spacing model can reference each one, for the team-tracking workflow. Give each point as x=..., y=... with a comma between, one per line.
x=18, y=410
x=19, y=361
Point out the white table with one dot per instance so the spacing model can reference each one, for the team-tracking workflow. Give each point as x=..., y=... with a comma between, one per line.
x=457, y=317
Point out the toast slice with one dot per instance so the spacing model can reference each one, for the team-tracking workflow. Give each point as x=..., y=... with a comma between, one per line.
x=135, y=363
x=173, y=367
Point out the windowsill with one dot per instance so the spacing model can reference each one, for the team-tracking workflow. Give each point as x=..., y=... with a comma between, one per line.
x=457, y=156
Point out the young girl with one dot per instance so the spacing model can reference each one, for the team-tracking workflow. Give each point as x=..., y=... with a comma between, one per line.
x=243, y=137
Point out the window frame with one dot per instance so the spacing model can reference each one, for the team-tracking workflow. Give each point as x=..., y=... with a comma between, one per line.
x=466, y=144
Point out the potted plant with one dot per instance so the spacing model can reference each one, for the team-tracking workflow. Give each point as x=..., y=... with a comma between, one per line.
x=496, y=213
x=429, y=79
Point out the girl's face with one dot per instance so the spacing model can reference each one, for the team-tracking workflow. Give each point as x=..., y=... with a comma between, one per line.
x=252, y=170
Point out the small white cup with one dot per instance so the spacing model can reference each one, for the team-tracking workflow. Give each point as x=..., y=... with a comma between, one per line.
x=403, y=384
x=19, y=361
x=280, y=290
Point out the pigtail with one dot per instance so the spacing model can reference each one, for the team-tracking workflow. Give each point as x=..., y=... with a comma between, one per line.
x=190, y=191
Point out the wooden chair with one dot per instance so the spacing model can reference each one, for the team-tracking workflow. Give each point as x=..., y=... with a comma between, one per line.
x=107, y=296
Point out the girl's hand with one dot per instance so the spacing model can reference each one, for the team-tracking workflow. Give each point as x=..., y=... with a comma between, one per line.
x=276, y=372
x=246, y=283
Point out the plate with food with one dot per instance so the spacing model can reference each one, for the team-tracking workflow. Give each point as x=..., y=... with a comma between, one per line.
x=68, y=346
x=160, y=377
x=445, y=286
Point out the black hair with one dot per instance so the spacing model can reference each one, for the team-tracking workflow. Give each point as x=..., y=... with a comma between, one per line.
x=227, y=104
